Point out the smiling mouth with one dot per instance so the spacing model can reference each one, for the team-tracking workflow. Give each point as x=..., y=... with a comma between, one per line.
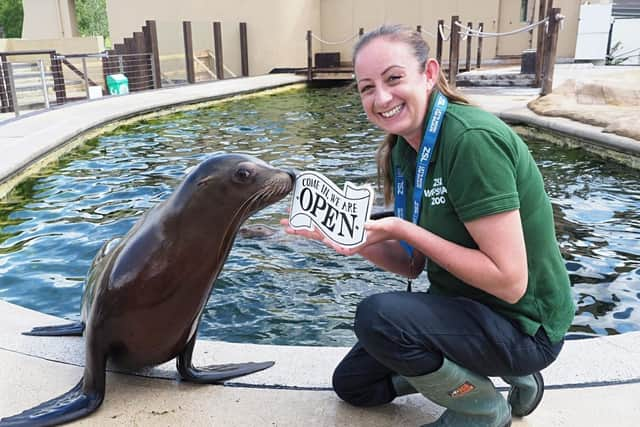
x=395, y=110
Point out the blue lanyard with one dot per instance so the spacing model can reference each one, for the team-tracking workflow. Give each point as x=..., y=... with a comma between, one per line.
x=424, y=157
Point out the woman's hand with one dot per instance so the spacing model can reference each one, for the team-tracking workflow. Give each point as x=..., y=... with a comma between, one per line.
x=377, y=231
x=380, y=247
x=314, y=234
x=381, y=229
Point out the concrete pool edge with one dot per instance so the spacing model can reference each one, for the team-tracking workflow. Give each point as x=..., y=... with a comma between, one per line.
x=591, y=138
x=590, y=375
x=310, y=367
x=609, y=362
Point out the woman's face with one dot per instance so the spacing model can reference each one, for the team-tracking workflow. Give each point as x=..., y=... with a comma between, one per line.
x=393, y=88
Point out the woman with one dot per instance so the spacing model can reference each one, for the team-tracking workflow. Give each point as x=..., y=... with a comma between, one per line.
x=499, y=301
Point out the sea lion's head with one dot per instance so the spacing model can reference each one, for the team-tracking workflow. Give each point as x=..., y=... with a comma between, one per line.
x=232, y=187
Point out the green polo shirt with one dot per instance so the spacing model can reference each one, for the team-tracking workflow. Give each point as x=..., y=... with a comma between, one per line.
x=481, y=167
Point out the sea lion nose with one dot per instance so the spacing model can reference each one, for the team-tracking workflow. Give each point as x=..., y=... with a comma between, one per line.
x=292, y=173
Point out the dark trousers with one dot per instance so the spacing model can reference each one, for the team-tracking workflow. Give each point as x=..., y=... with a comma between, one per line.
x=410, y=333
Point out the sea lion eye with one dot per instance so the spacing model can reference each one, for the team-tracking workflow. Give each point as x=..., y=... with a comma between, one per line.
x=242, y=174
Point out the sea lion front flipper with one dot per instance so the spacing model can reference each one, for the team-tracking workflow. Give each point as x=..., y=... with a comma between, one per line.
x=214, y=373
x=68, y=329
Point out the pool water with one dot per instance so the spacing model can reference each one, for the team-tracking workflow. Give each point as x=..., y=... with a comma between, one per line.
x=280, y=289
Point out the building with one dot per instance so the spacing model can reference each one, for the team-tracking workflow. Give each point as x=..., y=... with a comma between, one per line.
x=277, y=28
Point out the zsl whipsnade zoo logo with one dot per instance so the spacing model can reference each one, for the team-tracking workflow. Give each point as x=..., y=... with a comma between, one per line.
x=340, y=215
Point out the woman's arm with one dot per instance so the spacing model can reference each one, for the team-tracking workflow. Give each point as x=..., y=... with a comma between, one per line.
x=386, y=254
x=391, y=256
x=498, y=266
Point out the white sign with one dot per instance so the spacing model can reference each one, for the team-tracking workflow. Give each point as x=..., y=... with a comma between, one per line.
x=339, y=215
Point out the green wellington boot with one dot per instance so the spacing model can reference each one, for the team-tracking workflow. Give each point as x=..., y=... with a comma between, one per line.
x=525, y=394
x=470, y=399
x=401, y=386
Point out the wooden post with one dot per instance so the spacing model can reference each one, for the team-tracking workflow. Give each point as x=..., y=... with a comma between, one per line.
x=244, y=54
x=106, y=67
x=4, y=85
x=439, y=41
x=479, y=55
x=188, y=51
x=309, y=58
x=142, y=67
x=454, y=51
x=151, y=37
x=58, y=78
x=549, y=5
x=119, y=63
x=550, y=51
x=130, y=64
x=537, y=82
x=217, y=47
x=469, y=40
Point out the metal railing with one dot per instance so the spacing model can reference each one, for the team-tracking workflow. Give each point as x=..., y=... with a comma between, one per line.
x=50, y=79
x=137, y=67
x=29, y=85
x=43, y=78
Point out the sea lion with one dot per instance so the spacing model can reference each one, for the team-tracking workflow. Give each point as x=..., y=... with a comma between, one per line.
x=145, y=294
x=257, y=231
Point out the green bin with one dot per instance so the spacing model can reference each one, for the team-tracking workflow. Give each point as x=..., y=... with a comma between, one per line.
x=118, y=84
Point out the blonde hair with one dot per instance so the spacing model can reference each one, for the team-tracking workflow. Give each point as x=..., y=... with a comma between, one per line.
x=420, y=48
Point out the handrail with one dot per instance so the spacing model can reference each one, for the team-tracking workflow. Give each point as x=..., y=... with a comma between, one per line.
x=104, y=54
x=27, y=52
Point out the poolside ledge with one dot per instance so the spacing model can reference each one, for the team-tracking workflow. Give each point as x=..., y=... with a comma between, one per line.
x=595, y=382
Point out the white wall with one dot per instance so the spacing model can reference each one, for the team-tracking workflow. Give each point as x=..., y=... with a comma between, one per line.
x=625, y=31
x=49, y=19
x=276, y=29
x=593, y=32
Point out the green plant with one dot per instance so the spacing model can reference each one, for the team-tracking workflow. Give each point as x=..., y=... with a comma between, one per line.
x=11, y=18
x=614, y=57
x=92, y=17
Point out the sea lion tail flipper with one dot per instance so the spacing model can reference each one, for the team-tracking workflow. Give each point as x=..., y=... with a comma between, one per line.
x=214, y=373
x=65, y=408
x=78, y=402
x=68, y=329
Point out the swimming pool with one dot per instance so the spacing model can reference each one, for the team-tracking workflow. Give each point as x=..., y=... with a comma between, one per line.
x=279, y=289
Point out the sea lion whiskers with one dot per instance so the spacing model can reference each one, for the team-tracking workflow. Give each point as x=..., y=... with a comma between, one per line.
x=238, y=217
x=273, y=188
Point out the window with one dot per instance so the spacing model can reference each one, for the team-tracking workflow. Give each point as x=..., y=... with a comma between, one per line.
x=524, y=7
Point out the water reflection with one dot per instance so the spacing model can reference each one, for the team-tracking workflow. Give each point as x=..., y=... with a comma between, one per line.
x=596, y=208
x=279, y=289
